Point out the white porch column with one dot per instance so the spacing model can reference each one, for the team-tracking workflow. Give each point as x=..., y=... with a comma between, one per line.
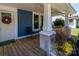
x=66, y=20
x=47, y=34
x=47, y=26
x=67, y=26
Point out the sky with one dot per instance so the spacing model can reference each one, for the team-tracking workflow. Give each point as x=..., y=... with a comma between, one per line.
x=76, y=7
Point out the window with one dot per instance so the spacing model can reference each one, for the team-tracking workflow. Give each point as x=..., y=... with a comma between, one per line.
x=36, y=22
x=41, y=22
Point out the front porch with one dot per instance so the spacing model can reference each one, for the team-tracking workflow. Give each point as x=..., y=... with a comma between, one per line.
x=29, y=19
x=23, y=47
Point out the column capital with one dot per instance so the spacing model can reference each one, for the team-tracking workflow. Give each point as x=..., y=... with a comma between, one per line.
x=46, y=4
x=48, y=33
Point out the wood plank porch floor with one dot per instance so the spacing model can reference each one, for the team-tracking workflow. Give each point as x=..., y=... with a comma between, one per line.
x=23, y=47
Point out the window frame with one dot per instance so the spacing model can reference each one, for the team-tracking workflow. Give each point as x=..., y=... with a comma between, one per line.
x=39, y=20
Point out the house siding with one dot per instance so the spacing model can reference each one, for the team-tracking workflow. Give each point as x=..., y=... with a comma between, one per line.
x=8, y=31
x=24, y=20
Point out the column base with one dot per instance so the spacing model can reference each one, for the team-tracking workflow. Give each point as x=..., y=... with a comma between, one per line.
x=46, y=40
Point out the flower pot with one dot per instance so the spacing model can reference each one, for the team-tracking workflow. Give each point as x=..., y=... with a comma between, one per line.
x=58, y=26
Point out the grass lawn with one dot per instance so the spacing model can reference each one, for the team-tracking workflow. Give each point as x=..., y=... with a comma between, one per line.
x=75, y=31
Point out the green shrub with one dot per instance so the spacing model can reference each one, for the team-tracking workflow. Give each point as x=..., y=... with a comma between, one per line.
x=59, y=22
x=73, y=41
x=7, y=42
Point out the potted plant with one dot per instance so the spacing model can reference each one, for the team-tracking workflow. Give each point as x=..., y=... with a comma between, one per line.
x=66, y=48
x=59, y=22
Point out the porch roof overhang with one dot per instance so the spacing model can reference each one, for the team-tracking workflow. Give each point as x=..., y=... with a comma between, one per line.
x=57, y=8
x=63, y=8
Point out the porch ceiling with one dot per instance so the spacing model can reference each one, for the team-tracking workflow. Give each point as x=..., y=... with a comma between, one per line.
x=64, y=8
x=57, y=8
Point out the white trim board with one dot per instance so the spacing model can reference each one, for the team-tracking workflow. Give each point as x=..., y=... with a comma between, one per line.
x=26, y=36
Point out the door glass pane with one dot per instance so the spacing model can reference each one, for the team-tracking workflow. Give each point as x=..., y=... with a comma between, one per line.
x=36, y=21
x=41, y=22
x=36, y=25
x=36, y=17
